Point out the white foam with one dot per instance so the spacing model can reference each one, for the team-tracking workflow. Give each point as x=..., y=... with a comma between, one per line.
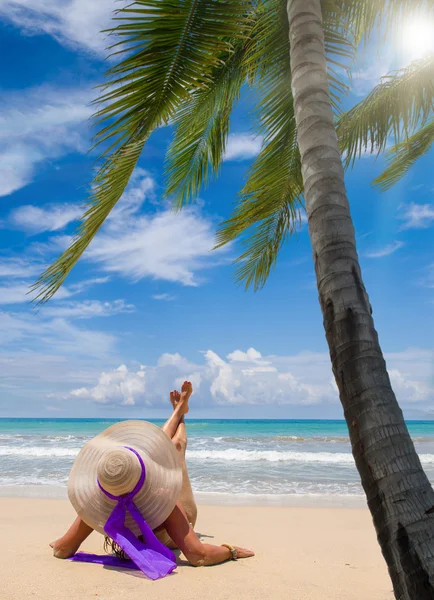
x=228, y=455
x=37, y=451
x=235, y=455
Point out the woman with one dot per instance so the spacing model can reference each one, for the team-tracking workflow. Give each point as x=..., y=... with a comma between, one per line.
x=100, y=471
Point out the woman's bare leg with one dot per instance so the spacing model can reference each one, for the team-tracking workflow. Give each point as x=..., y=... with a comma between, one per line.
x=179, y=438
x=180, y=408
x=186, y=499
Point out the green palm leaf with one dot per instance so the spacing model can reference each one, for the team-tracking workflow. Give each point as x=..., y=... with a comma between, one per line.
x=270, y=201
x=201, y=131
x=402, y=156
x=170, y=49
x=402, y=101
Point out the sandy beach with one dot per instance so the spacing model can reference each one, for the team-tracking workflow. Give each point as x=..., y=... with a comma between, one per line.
x=302, y=553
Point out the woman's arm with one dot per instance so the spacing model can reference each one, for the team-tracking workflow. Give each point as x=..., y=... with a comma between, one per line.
x=198, y=554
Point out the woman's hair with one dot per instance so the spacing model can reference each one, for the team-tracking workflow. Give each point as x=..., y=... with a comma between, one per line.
x=112, y=548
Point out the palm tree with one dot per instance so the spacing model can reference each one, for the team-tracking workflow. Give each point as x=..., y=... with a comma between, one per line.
x=399, y=494
x=401, y=108
x=186, y=63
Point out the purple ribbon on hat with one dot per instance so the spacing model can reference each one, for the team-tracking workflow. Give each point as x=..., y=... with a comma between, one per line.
x=152, y=557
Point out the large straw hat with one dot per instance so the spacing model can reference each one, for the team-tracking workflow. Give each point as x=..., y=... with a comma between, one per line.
x=106, y=459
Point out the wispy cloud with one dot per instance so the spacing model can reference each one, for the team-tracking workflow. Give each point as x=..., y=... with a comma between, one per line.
x=165, y=297
x=417, y=216
x=364, y=77
x=428, y=278
x=159, y=245
x=57, y=334
x=87, y=309
x=167, y=246
x=75, y=23
x=385, y=250
x=38, y=124
x=36, y=219
x=20, y=268
x=242, y=146
x=19, y=292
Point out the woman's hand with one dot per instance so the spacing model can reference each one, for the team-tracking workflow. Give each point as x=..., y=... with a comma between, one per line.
x=198, y=554
x=243, y=552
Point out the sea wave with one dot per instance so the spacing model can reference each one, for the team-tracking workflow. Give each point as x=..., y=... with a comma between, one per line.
x=34, y=452
x=227, y=455
x=235, y=455
x=290, y=439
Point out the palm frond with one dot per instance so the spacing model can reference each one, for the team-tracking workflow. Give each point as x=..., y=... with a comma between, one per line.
x=268, y=206
x=402, y=101
x=402, y=156
x=269, y=209
x=201, y=131
x=166, y=50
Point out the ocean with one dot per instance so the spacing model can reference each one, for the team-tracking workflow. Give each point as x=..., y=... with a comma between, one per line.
x=235, y=461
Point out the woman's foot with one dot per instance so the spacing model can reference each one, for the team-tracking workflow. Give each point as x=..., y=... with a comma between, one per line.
x=179, y=401
x=64, y=548
x=174, y=398
x=67, y=545
x=186, y=392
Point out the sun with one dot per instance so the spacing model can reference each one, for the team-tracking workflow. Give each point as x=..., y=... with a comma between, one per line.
x=418, y=37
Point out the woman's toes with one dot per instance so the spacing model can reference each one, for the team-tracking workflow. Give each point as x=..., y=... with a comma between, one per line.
x=62, y=549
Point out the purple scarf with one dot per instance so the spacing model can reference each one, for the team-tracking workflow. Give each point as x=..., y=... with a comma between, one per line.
x=152, y=557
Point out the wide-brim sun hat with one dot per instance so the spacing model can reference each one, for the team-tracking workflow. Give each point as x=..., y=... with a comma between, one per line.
x=112, y=461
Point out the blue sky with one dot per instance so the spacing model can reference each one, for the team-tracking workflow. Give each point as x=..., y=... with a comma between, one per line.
x=150, y=304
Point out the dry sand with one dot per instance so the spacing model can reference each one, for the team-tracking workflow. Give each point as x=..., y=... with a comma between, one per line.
x=302, y=554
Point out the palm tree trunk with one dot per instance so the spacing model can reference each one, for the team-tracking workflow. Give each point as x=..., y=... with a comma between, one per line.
x=399, y=494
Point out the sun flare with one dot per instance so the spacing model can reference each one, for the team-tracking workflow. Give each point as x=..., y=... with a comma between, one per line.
x=418, y=37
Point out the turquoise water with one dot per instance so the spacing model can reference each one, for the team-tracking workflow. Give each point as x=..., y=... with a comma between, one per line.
x=245, y=458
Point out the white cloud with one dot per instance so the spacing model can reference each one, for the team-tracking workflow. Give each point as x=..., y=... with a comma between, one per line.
x=428, y=278
x=412, y=374
x=36, y=333
x=166, y=297
x=364, y=78
x=160, y=245
x=76, y=288
x=303, y=379
x=417, y=216
x=251, y=355
x=415, y=391
x=36, y=219
x=242, y=146
x=385, y=250
x=141, y=188
x=18, y=267
x=19, y=292
x=71, y=22
x=118, y=386
x=88, y=309
x=42, y=357
x=39, y=124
